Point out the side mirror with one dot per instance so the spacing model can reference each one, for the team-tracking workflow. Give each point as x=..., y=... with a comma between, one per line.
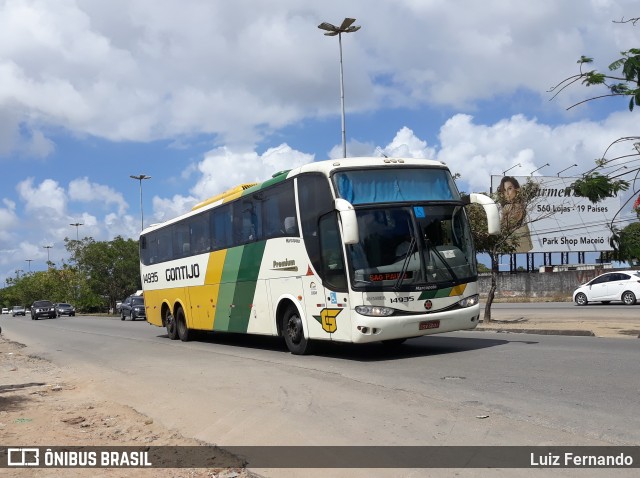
x=348, y=220
x=490, y=209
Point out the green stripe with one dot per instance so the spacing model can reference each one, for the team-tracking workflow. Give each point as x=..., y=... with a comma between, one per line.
x=237, y=291
x=269, y=182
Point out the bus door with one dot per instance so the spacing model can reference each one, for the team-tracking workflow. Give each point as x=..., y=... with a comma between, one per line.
x=335, y=317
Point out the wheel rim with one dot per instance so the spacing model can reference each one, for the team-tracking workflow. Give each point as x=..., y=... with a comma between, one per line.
x=171, y=323
x=628, y=298
x=581, y=299
x=294, y=329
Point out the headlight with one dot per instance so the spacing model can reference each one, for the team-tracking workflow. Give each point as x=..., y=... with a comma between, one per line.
x=374, y=311
x=469, y=301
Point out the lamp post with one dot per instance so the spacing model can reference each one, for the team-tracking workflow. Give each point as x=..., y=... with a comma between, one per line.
x=48, y=248
x=514, y=166
x=573, y=165
x=29, y=261
x=77, y=225
x=140, y=178
x=538, y=169
x=346, y=27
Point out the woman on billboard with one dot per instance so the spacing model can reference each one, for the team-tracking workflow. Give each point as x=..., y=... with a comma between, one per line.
x=514, y=213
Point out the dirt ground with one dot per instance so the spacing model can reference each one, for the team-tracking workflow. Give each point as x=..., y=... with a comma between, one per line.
x=42, y=405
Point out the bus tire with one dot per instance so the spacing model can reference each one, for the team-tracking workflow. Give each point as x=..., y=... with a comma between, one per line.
x=294, y=332
x=170, y=323
x=181, y=325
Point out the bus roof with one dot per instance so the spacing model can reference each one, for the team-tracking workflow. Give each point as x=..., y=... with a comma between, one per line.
x=325, y=167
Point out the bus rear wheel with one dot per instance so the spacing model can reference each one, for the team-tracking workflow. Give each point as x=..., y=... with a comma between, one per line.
x=181, y=325
x=170, y=323
x=294, y=332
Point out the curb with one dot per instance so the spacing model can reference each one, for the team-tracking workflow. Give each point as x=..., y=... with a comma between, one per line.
x=575, y=332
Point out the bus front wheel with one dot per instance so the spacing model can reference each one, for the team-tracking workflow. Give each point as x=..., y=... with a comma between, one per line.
x=170, y=323
x=181, y=325
x=294, y=332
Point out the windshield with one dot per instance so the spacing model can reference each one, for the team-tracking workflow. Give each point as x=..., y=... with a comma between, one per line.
x=137, y=301
x=385, y=185
x=411, y=247
x=43, y=303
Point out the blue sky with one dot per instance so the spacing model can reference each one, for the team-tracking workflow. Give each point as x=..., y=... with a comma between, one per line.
x=202, y=95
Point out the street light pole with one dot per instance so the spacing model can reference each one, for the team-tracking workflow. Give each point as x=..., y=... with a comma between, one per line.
x=29, y=261
x=48, y=248
x=140, y=177
x=77, y=224
x=572, y=166
x=332, y=30
x=544, y=165
x=514, y=166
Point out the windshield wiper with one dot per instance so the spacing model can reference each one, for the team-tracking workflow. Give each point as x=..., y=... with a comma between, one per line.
x=405, y=264
x=442, y=259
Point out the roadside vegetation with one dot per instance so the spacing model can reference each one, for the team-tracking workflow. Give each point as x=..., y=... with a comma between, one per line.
x=97, y=275
x=622, y=80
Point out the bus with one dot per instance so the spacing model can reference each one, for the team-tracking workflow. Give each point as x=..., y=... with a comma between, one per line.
x=351, y=250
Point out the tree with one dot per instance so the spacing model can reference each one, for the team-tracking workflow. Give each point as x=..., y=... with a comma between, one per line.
x=623, y=79
x=513, y=229
x=626, y=243
x=111, y=269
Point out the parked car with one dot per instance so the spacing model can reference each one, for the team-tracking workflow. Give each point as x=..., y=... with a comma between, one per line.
x=132, y=307
x=42, y=308
x=609, y=287
x=65, y=309
x=5, y=310
x=18, y=310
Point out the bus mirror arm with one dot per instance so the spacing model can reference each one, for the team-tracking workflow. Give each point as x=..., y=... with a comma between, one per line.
x=490, y=209
x=348, y=220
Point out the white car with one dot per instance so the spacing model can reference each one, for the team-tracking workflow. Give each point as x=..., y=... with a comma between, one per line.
x=612, y=286
x=5, y=310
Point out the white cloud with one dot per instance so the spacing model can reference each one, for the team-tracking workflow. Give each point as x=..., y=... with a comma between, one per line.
x=165, y=208
x=8, y=221
x=85, y=191
x=223, y=168
x=405, y=144
x=138, y=70
x=46, y=198
x=476, y=151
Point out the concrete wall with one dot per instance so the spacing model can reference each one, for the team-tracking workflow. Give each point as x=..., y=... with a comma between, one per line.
x=544, y=285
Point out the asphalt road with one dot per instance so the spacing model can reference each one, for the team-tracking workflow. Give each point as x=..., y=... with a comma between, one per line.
x=467, y=388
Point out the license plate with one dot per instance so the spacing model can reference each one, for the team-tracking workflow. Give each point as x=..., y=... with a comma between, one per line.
x=431, y=324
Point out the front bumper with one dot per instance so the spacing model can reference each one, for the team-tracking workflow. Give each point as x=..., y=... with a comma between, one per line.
x=372, y=329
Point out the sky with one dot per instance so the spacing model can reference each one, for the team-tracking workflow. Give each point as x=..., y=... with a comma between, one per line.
x=203, y=95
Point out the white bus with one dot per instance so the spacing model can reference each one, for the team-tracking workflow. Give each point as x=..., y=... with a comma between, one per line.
x=352, y=250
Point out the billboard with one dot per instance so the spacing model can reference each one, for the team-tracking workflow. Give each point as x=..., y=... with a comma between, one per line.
x=555, y=220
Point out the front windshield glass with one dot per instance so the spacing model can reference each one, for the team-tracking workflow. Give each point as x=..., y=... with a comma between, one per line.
x=402, y=184
x=411, y=247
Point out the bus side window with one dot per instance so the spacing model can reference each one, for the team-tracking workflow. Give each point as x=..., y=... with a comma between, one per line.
x=315, y=199
x=279, y=211
x=181, y=241
x=221, y=227
x=199, y=234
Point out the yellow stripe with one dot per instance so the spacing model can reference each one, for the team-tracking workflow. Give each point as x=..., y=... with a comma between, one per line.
x=457, y=290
